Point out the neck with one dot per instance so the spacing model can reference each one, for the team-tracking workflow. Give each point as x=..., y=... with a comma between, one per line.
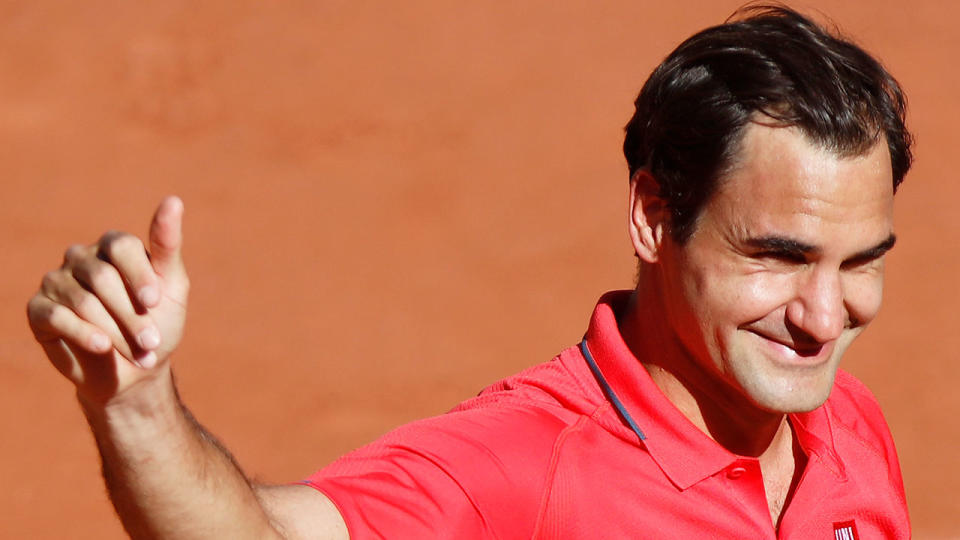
x=699, y=391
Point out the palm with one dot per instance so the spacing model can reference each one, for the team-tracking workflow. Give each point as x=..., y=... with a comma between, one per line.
x=170, y=315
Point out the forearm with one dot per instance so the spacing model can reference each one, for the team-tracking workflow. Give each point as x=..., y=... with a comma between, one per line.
x=108, y=319
x=166, y=477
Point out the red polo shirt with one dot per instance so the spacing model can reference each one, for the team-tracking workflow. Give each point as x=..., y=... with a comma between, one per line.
x=547, y=454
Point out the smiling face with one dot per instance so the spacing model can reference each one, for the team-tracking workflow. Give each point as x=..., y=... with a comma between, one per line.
x=783, y=270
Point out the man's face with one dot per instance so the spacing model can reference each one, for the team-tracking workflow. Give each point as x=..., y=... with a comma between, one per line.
x=784, y=269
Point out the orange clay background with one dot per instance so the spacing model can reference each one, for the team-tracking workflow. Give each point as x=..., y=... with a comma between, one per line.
x=391, y=205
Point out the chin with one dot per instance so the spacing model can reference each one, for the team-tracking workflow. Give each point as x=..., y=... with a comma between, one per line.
x=789, y=393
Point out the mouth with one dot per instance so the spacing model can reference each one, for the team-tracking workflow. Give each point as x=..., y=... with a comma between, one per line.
x=794, y=353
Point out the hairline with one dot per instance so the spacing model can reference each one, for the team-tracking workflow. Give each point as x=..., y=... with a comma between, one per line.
x=734, y=161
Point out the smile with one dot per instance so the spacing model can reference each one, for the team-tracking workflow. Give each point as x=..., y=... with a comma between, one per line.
x=798, y=355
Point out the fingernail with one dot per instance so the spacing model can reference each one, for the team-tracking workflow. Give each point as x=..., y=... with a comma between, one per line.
x=99, y=342
x=148, y=338
x=147, y=361
x=148, y=295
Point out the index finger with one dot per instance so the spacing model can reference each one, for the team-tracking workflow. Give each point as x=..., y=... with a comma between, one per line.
x=127, y=254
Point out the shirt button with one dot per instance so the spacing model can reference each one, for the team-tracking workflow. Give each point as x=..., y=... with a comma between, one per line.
x=736, y=472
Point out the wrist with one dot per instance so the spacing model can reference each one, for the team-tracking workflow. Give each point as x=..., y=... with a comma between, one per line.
x=153, y=396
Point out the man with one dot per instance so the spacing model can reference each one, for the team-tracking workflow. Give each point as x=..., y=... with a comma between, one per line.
x=706, y=403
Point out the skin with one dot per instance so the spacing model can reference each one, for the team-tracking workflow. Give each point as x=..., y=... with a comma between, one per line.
x=748, y=320
x=743, y=323
x=108, y=319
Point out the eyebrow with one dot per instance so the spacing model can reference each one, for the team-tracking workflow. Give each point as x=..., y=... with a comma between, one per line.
x=876, y=251
x=789, y=246
x=780, y=244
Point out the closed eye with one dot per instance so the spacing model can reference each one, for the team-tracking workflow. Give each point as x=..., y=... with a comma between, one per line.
x=788, y=257
x=870, y=256
x=781, y=250
x=861, y=262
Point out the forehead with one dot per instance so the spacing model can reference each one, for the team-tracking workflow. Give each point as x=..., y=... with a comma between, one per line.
x=780, y=180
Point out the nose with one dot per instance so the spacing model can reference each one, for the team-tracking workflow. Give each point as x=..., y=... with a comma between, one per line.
x=818, y=307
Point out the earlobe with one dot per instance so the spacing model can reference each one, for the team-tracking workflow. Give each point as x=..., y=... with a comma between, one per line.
x=648, y=216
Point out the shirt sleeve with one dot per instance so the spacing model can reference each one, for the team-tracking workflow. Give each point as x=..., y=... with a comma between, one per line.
x=476, y=473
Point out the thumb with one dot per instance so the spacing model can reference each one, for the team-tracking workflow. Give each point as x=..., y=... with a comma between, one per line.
x=166, y=236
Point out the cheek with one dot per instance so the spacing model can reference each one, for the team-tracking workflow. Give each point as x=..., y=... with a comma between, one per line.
x=739, y=299
x=863, y=294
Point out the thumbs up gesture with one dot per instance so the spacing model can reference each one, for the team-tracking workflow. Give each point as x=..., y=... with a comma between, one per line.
x=111, y=314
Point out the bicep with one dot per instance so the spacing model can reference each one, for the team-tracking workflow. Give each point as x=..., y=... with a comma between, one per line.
x=301, y=512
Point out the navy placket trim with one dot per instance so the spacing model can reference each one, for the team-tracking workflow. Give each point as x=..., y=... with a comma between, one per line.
x=608, y=390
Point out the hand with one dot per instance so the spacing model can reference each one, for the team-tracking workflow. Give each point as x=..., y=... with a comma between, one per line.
x=110, y=316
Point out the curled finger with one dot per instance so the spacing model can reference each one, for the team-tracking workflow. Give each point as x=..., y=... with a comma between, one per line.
x=104, y=282
x=127, y=254
x=51, y=321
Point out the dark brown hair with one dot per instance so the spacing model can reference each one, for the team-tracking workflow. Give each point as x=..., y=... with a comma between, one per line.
x=692, y=112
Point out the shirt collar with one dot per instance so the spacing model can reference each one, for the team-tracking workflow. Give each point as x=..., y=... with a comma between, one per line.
x=814, y=431
x=684, y=453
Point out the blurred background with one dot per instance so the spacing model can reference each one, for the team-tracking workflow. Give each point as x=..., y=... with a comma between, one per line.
x=391, y=205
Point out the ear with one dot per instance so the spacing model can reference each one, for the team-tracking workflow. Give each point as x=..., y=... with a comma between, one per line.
x=649, y=216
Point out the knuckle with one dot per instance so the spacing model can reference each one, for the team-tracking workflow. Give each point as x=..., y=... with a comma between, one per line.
x=73, y=253
x=121, y=248
x=56, y=315
x=82, y=301
x=47, y=320
x=36, y=308
x=108, y=237
x=120, y=243
x=50, y=282
x=101, y=276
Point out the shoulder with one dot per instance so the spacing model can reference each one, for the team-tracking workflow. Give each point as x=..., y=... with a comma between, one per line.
x=489, y=460
x=518, y=417
x=513, y=424
x=557, y=386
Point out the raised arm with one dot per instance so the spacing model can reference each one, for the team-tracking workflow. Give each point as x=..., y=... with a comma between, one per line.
x=109, y=319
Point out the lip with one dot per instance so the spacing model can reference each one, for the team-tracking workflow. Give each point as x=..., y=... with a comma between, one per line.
x=790, y=354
